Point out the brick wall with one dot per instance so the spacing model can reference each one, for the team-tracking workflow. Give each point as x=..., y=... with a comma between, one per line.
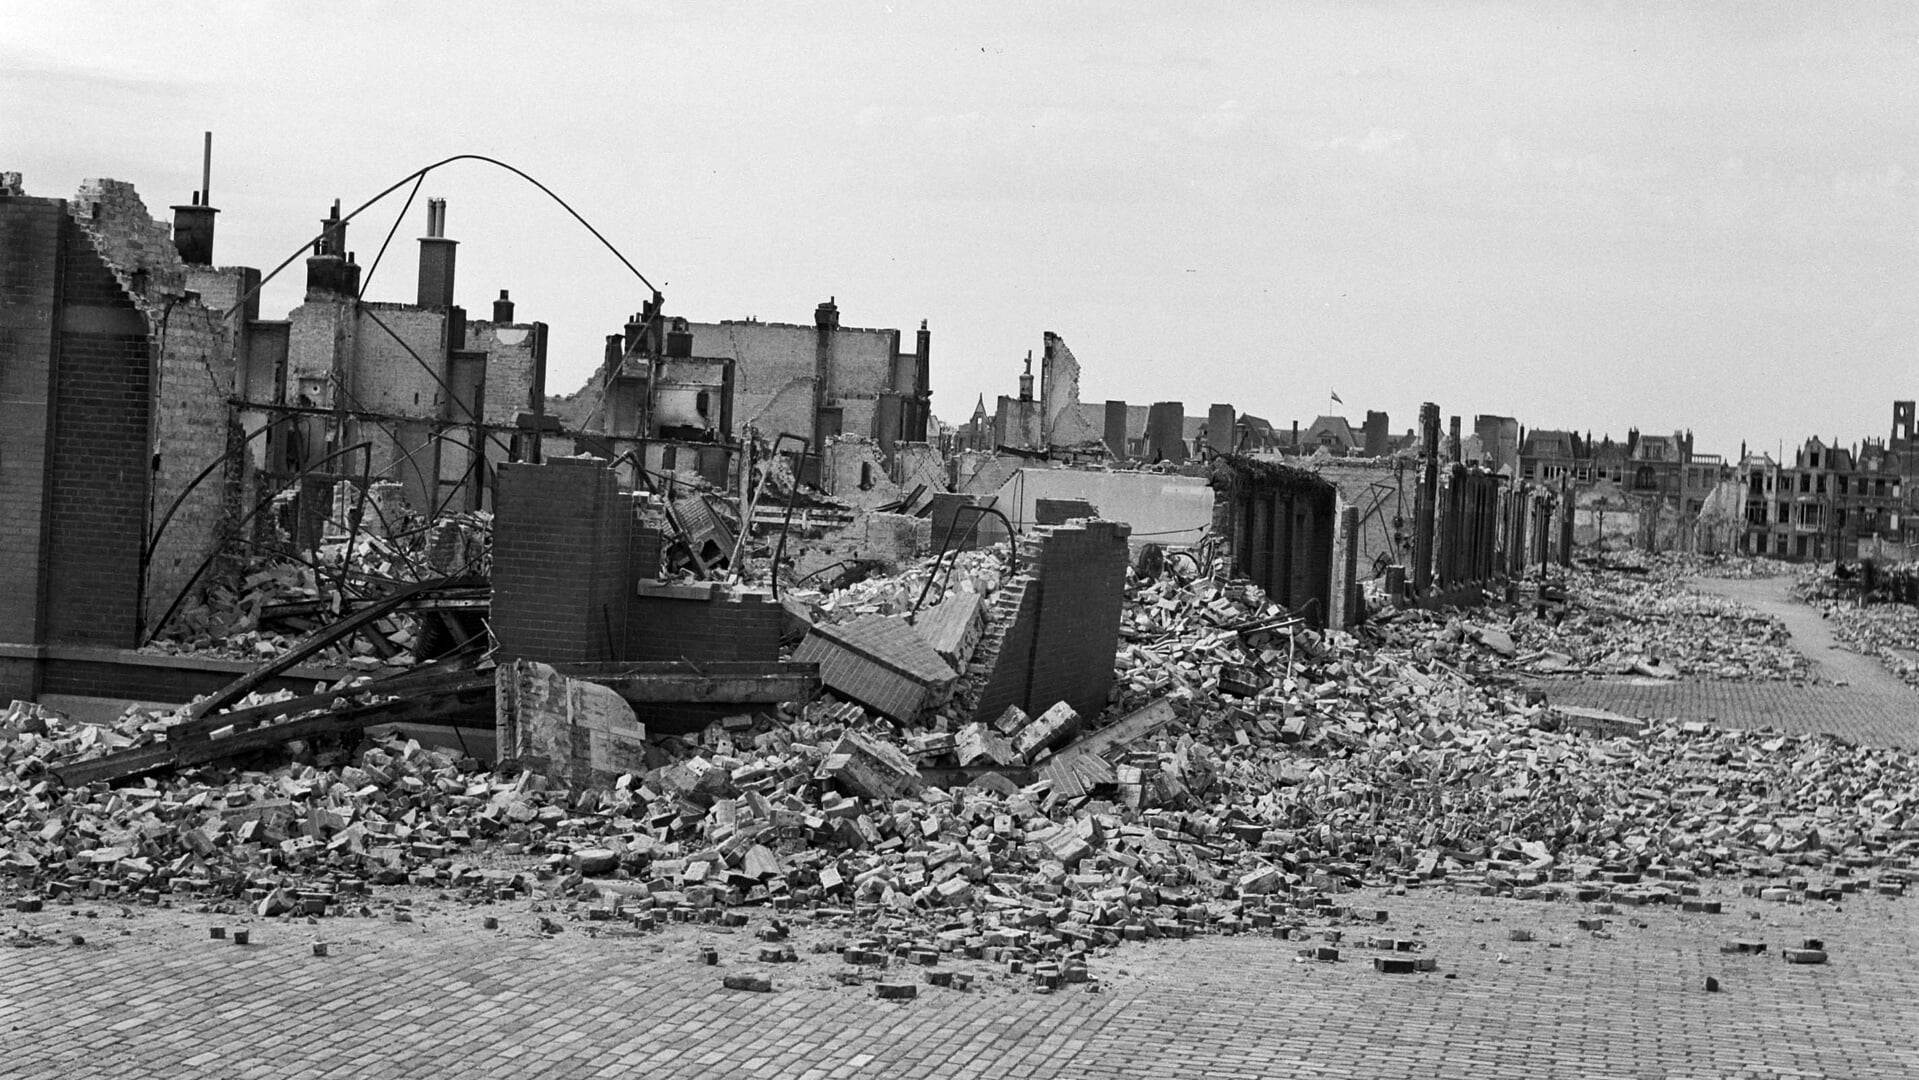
x=1281, y=532
x=193, y=374
x=678, y=622
x=30, y=231
x=98, y=474
x=192, y=429
x=319, y=333
x=774, y=372
x=1056, y=631
x=560, y=561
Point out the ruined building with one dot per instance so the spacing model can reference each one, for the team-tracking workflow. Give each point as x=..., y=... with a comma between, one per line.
x=817, y=382
x=150, y=420
x=1835, y=502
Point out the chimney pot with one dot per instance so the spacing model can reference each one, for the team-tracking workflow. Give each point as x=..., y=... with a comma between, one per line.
x=503, y=308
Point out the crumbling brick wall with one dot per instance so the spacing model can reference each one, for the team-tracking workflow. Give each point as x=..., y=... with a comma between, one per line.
x=192, y=429
x=193, y=377
x=1055, y=628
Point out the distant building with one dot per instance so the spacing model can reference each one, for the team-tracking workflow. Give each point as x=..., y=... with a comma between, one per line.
x=1833, y=502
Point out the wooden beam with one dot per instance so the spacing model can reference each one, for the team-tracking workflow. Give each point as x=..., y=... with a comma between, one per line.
x=327, y=635
x=428, y=696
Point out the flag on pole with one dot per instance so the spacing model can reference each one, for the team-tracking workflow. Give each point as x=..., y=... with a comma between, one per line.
x=1336, y=397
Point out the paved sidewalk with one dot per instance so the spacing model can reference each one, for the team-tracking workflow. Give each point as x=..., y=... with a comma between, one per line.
x=1858, y=700
x=150, y=995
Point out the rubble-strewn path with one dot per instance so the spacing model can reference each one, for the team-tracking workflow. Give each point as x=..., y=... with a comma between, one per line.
x=1857, y=698
x=149, y=994
x=1810, y=633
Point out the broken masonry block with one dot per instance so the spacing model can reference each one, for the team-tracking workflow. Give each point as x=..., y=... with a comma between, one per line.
x=895, y=991
x=758, y=984
x=871, y=769
x=1804, y=956
x=955, y=627
x=977, y=744
x=574, y=732
x=1743, y=947
x=1012, y=721
x=1052, y=729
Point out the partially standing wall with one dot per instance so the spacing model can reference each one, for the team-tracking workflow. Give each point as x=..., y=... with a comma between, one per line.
x=1280, y=523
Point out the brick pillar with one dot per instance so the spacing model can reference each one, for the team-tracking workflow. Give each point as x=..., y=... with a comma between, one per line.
x=1346, y=587
x=1425, y=507
x=561, y=561
x=1116, y=429
x=1219, y=428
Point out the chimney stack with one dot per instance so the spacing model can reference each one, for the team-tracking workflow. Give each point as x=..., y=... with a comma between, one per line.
x=330, y=269
x=503, y=308
x=193, y=223
x=436, y=258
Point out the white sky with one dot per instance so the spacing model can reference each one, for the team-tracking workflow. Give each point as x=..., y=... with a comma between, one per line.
x=1590, y=216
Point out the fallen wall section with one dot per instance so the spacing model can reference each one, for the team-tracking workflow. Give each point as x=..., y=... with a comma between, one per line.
x=1055, y=626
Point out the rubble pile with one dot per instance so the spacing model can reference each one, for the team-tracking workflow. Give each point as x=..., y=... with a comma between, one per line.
x=1280, y=765
x=980, y=572
x=1734, y=567
x=1650, y=624
x=1886, y=631
x=274, y=600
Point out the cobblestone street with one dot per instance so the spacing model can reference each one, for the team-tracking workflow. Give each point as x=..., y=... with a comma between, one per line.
x=1520, y=990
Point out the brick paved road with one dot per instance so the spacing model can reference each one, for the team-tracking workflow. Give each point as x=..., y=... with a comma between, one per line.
x=1862, y=701
x=150, y=995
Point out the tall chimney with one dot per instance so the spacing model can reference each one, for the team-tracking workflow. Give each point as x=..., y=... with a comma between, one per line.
x=436, y=258
x=503, y=308
x=193, y=223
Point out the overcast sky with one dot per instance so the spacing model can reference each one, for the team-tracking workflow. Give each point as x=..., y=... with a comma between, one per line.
x=1586, y=216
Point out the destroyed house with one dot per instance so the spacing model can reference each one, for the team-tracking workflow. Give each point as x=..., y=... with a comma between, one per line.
x=814, y=382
